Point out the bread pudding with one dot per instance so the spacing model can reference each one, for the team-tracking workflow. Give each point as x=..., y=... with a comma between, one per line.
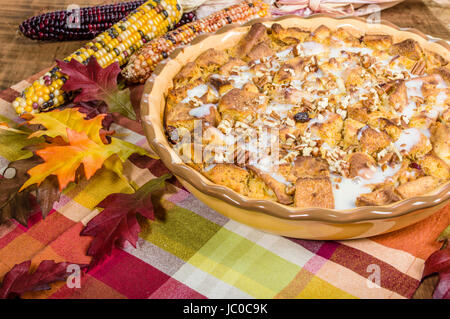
x=315, y=118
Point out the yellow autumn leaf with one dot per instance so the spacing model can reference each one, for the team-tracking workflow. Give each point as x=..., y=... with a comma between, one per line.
x=58, y=121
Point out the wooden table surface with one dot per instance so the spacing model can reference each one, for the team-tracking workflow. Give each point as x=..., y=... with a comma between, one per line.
x=21, y=57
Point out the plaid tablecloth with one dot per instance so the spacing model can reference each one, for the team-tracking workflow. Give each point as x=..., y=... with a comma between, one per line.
x=196, y=253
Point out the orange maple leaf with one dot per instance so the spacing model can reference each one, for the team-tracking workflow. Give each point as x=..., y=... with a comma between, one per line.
x=76, y=141
x=63, y=161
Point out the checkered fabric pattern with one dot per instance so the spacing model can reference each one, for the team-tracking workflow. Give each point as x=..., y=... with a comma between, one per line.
x=197, y=253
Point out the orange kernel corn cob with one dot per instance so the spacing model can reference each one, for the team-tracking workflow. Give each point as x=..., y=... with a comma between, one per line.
x=142, y=64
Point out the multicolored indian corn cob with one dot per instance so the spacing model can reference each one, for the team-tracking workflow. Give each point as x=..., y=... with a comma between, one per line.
x=91, y=21
x=186, y=18
x=142, y=64
x=117, y=44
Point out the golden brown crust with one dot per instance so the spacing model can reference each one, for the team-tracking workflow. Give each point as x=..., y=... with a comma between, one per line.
x=398, y=97
x=309, y=166
x=321, y=34
x=211, y=57
x=229, y=175
x=434, y=166
x=261, y=50
x=237, y=104
x=408, y=48
x=361, y=164
x=378, y=41
x=278, y=188
x=373, y=140
x=382, y=196
x=314, y=192
x=418, y=187
x=256, y=35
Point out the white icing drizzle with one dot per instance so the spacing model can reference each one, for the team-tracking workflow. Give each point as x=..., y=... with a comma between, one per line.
x=349, y=189
x=201, y=111
x=240, y=80
x=284, y=54
x=279, y=108
x=410, y=109
x=414, y=88
x=311, y=48
x=408, y=139
x=196, y=92
x=361, y=130
x=280, y=178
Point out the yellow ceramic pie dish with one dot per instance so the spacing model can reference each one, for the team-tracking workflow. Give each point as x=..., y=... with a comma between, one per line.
x=270, y=216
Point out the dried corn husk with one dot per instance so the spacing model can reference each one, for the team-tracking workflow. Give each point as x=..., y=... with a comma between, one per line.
x=191, y=5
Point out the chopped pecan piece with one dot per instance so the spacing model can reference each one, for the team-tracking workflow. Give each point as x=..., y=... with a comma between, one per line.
x=418, y=68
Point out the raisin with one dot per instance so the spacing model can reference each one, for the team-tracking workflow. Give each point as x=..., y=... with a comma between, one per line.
x=301, y=117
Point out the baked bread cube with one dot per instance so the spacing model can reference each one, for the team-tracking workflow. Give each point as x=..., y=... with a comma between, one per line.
x=422, y=147
x=344, y=35
x=378, y=41
x=434, y=60
x=258, y=189
x=440, y=139
x=417, y=187
x=259, y=51
x=373, y=140
x=443, y=72
x=350, y=132
x=290, y=70
x=409, y=48
x=434, y=166
x=188, y=73
x=237, y=104
x=275, y=185
x=415, y=67
x=358, y=112
x=180, y=116
x=228, y=68
x=352, y=77
x=288, y=36
x=176, y=95
x=322, y=34
x=220, y=83
x=398, y=97
x=314, y=192
x=386, y=125
x=309, y=166
x=256, y=34
x=382, y=196
x=229, y=175
x=421, y=121
x=361, y=164
x=211, y=59
x=330, y=130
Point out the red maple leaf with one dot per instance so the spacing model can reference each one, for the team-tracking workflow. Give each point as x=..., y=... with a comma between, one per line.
x=117, y=223
x=439, y=262
x=19, y=279
x=94, y=81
